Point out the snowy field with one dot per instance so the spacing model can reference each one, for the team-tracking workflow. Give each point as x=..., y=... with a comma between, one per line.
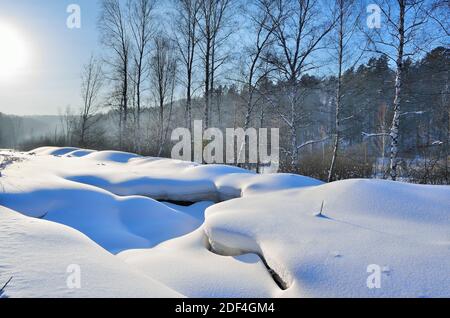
x=150, y=227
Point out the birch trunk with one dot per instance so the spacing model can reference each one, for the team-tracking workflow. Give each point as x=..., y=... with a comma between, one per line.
x=338, y=94
x=394, y=133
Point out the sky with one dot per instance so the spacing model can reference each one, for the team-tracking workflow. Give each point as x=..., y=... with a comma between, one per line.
x=48, y=80
x=50, y=77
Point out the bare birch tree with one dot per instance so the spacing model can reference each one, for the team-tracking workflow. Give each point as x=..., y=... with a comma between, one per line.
x=163, y=65
x=301, y=28
x=440, y=14
x=114, y=30
x=140, y=21
x=214, y=15
x=68, y=123
x=91, y=85
x=187, y=37
x=263, y=27
x=255, y=69
x=346, y=26
x=399, y=38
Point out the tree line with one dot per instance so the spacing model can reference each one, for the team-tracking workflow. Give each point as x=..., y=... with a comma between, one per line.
x=351, y=99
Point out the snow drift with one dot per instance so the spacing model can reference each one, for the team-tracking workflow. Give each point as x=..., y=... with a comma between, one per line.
x=246, y=235
x=402, y=228
x=37, y=254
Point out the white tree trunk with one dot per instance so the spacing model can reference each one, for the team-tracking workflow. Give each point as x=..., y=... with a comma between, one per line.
x=397, y=99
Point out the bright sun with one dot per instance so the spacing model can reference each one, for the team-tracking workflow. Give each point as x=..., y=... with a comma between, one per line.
x=13, y=52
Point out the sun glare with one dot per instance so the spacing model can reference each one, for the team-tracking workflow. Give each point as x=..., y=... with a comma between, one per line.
x=13, y=52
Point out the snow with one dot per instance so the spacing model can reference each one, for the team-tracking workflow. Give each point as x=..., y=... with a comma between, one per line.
x=53, y=151
x=37, y=253
x=186, y=265
x=245, y=235
x=126, y=174
x=79, y=153
x=401, y=226
x=232, y=186
x=116, y=223
x=114, y=156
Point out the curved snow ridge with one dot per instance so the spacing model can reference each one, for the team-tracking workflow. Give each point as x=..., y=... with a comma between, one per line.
x=190, y=185
x=185, y=264
x=400, y=228
x=111, y=156
x=105, y=155
x=115, y=223
x=240, y=185
x=126, y=174
x=61, y=151
x=42, y=256
x=53, y=151
x=227, y=243
x=162, y=189
x=79, y=153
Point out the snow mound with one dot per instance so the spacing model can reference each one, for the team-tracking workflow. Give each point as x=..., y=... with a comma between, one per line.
x=114, y=156
x=115, y=223
x=126, y=174
x=185, y=264
x=40, y=256
x=166, y=179
x=79, y=153
x=276, y=235
x=237, y=185
x=53, y=151
x=402, y=229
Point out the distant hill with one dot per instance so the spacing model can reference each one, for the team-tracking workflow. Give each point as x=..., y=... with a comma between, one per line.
x=17, y=129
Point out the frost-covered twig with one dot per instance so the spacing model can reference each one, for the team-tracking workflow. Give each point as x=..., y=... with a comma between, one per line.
x=419, y=112
x=310, y=142
x=374, y=134
x=2, y=290
x=347, y=118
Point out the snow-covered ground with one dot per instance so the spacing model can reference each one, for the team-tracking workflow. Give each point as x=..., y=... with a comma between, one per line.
x=117, y=218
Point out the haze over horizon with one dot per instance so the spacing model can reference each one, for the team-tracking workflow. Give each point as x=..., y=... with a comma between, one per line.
x=48, y=79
